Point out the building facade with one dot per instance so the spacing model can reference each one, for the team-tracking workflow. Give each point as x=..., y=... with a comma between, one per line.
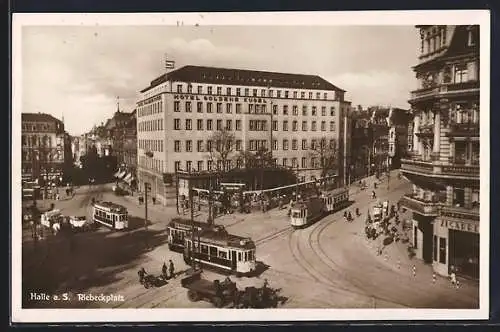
x=43, y=148
x=444, y=167
x=180, y=111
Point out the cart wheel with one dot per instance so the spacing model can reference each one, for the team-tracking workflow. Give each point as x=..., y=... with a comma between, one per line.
x=146, y=285
x=217, y=301
x=193, y=296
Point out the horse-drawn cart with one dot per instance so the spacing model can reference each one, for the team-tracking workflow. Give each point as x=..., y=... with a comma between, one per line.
x=219, y=294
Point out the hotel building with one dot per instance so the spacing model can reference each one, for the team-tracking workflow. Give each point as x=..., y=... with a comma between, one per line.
x=444, y=167
x=180, y=110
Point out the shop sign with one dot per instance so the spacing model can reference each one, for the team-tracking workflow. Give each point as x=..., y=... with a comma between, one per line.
x=460, y=226
x=221, y=98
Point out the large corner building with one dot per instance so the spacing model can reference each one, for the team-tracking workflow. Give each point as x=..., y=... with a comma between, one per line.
x=444, y=167
x=180, y=110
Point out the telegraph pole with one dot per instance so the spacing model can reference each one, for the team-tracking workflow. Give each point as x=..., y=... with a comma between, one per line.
x=146, y=188
x=190, y=188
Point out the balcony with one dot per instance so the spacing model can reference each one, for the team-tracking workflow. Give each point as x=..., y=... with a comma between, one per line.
x=467, y=129
x=426, y=129
x=458, y=169
x=420, y=206
x=445, y=90
x=438, y=169
x=415, y=165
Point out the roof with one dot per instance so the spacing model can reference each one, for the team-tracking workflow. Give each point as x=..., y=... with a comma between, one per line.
x=244, y=77
x=223, y=238
x=38, y=117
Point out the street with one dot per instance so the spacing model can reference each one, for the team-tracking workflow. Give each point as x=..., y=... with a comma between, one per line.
x=330, y=264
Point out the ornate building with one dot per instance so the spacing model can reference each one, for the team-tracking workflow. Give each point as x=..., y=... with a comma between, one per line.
x=444, y=167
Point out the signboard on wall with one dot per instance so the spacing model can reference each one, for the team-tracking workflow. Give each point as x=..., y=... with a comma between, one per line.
x=460, y=226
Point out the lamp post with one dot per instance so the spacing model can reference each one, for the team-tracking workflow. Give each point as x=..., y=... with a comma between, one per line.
x=146, y=189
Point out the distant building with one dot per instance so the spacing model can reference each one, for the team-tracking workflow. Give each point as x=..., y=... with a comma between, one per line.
x=44, y=148
x=444, y=164
x=284, y=113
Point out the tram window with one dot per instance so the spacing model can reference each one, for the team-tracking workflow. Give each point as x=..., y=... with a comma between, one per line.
x=204, y=249
x=222, y=254
x=239, y=256
x=296, y=214
x=213, y=251
x=250, y=255
x=246, y=256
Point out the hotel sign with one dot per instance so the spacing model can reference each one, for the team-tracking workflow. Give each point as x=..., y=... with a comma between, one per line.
x=221, y=98
x=460, y=226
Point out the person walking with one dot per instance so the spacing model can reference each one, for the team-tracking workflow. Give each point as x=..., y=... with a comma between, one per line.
x=171, y=268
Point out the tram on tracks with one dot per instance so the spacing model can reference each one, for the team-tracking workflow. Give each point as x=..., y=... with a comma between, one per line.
x=180, y=228
x=217, y=249
x=312, y=209
x=111, y=215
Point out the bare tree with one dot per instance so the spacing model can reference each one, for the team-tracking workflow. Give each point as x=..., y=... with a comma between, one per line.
x=222, y=146
x=262, y=158
x=325, y=151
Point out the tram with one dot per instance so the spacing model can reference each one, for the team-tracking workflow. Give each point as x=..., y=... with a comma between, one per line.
x=180, y=228
x=217, y=249
x=314, y=208
x=111, y=215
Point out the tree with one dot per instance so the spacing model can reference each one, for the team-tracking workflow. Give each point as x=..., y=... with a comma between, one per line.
x=262, y=158
x=222, y=146
x=325, y=151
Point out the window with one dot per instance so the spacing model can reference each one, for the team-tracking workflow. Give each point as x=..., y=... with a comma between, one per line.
x=238, y=91
x=209, y=90
x=210, y=165
x=219, y=90
x=435, y=248
x=229, y=108
x=238, y=145
x=189, y=124
x=228, y=91
x=252, y=145
x=332, y=144
x=229, y=125
x=461, y=73
x=285, y=144
x=459, y=197
x=263, y=92
x=250, y=108
x=199, y=107
x=177, y=146
x=199, y=124
x=313, y=144
x=323, y=125
x=177, y=106
x=325, y=96
x=323, y=110
x=295, y=110
x=304, y=110
x=332, y=111
x=271, y=92
x=313, y=125
x=238, y=124
x=189, y=146
x=219, y=125
x=238, y=108
x=209, y=107
x=471, y=41
x=295, y=94
x=278, y=94
x=254, y=92
x=190, y=88
x=295, y=125
x=188, y=165
x=313, y=111
x=209, y=124
x=177, y=124
x=294, y=144
x=275, y=144
x=179, y=88
x=199, y=146
x=442, y=250
x=275, y=109
x=219, y=107
x=177, y=165
x=247, y=91
x=286, y=94
x=200, y=165
x=200, y=89
x=304, y=144
x=285, y=125
x=285, y=162
x=210, y=147
x=188, y=106
x=285, y=109
x=294, y=162
x=332, y=125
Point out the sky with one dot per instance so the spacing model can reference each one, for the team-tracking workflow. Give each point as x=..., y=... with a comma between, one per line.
x=78, y=71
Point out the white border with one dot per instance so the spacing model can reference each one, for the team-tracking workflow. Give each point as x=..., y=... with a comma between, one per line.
x=449, y=17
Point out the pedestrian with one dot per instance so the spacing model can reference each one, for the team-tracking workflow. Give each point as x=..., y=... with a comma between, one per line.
x=373, y=194
x=171, y=268
x=453, y=278
x=399, y=263
x=414, y=270
x=433, y=277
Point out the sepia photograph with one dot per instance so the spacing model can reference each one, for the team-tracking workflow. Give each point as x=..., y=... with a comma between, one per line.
x=299, y=166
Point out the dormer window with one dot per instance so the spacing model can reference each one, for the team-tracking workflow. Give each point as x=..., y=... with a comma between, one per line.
x=471, y=41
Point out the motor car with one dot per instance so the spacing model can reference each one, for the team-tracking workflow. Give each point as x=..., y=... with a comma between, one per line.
x=80, y=223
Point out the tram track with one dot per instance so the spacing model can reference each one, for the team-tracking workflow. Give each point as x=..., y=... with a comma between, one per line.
x=273, y=235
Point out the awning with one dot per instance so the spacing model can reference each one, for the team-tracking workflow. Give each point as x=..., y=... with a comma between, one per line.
x=116, y=174
x=128, y=178
x=121, y=175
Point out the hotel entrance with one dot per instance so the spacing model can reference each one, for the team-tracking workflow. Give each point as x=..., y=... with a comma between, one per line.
x=464, y=253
